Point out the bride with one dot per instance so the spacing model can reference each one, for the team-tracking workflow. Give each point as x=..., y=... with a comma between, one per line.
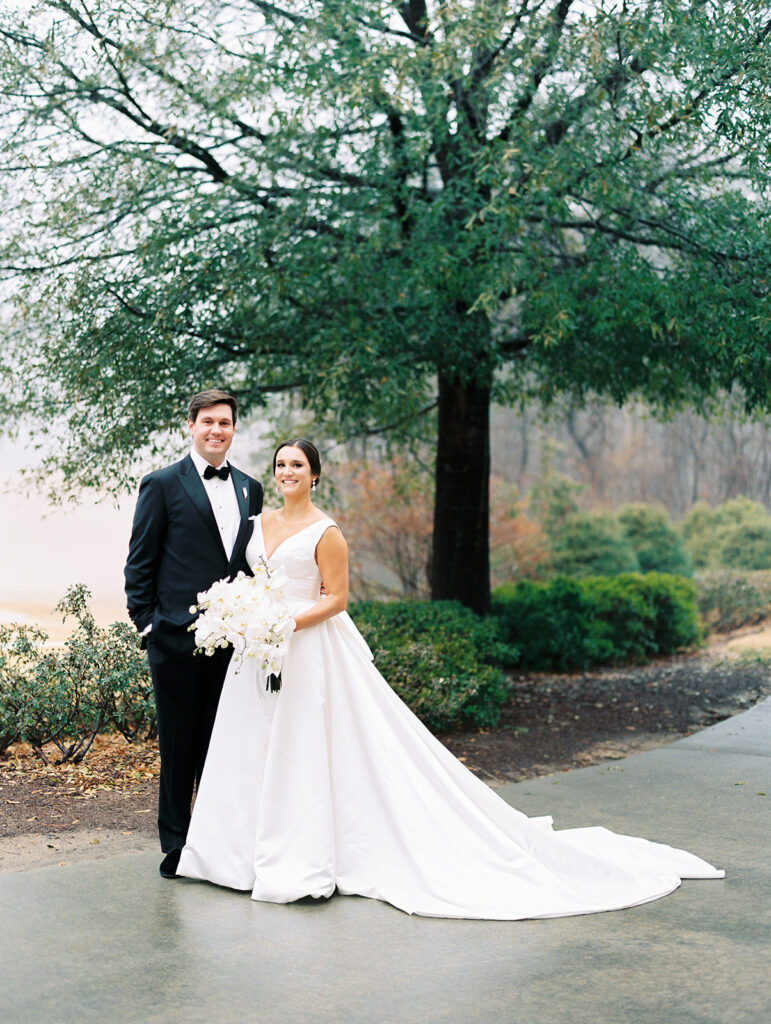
x=333, y=784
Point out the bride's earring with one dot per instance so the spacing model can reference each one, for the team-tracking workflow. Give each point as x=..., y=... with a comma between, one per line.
x=313, y=485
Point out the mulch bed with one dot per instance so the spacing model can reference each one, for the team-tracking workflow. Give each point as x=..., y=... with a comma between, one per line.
x=559, y=722
x=551, y=723
x=114, y=787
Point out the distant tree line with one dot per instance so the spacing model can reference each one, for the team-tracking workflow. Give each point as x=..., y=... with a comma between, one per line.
x=622, y=455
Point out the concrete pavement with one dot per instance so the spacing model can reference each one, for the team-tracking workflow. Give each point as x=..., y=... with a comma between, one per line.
x=111, y=941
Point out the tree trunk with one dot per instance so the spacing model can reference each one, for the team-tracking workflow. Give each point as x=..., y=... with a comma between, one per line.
x=460, y=561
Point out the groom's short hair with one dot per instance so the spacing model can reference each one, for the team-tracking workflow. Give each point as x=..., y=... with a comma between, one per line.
x=211, y=397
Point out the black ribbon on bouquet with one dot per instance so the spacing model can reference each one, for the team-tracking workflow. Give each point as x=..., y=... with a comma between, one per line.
x=273, y=683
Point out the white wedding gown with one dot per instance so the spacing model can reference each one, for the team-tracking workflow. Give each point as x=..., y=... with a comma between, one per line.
x=333, y=783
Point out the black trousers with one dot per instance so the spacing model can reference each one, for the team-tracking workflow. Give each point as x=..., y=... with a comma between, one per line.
x=187, y=692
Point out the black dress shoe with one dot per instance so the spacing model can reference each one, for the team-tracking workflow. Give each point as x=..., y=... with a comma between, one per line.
x=169, y=864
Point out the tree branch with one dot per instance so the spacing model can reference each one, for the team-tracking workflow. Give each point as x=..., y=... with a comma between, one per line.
x=487, y=59
x=381, y=26
x=515, y=345
x=543, y=64
x=385, y=427
x=692, y=171
x=688, y=111
x=414, y=14
x=279, y=12
x=89, y=26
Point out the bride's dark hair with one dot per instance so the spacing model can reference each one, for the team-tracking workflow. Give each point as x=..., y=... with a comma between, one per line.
x=309, y=450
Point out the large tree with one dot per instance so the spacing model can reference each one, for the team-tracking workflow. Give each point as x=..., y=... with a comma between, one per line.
x=397, y=212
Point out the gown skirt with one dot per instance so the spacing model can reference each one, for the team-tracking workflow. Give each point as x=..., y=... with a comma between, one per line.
x=333, y=784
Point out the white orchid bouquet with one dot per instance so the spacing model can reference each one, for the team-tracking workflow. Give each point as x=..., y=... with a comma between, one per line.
x=250, y=613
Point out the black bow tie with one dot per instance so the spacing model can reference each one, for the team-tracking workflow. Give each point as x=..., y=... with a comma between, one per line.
x=223, y=472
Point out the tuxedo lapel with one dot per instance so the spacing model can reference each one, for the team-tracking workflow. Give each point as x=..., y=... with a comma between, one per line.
x=196, y=491
x=241, y=485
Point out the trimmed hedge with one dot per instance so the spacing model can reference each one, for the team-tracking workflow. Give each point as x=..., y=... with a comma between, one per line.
x=443, y=660
x=570, y=624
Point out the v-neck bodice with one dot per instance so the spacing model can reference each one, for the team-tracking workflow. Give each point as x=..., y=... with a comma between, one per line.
x=297, y=555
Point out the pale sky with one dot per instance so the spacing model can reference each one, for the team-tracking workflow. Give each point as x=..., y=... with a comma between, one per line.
x=44, y=550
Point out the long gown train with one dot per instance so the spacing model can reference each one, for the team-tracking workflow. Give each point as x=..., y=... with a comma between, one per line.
x=333, y=783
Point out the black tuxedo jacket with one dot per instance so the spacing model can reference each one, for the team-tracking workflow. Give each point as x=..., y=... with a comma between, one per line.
x=176, y=551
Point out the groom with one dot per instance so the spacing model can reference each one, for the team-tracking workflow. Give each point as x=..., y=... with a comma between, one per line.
x=191, y=527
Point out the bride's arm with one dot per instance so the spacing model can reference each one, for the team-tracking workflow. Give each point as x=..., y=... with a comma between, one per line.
x=332, y=558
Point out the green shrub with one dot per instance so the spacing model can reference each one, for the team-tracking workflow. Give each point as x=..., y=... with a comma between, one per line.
x=92, y=680
x=99, y=678
x=590, y=543
x=442, y=659
x=729, y=599
x=552, y=624
x=624, y=616
x=738, y=510
x=698, y=534
x=21, y=650
x=124, y=680
x=677, y=611
x=553, y=498
x=745, y=545
x=569, y=624
x=656, y=542
x=46, y=694
x=734, y=535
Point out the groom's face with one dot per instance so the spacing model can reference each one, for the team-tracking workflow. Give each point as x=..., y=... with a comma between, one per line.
x=212, y=432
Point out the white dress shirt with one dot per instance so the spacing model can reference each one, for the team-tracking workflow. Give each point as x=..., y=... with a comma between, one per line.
x=224, y=503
